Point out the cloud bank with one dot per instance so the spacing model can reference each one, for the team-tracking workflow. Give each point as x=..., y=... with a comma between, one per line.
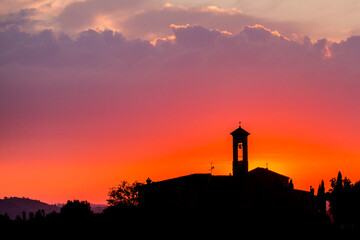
x=151, y=19
x=135, y=19
x=257, y=69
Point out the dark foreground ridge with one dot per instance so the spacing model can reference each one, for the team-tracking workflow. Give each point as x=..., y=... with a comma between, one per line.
x=77, y=218
x=247, y=203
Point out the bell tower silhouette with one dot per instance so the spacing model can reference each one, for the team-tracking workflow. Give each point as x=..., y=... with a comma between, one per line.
x=240, y=152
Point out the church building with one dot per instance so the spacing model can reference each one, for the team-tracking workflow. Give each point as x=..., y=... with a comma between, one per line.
x=243, y=190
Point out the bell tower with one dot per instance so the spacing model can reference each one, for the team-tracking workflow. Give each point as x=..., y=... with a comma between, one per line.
x=240, y=152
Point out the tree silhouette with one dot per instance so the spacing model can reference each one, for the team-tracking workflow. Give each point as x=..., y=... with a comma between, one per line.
x=344, y=200
x=4, y=219
x=76, y=209
x=124, y=195
x=40, y=214
x=321, y=197
x=321, y=188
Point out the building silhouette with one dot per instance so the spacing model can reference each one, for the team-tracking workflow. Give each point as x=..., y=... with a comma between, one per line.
x=257, y=190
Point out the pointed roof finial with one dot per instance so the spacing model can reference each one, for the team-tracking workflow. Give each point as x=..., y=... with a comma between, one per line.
x=148, y=181
x=239, y=123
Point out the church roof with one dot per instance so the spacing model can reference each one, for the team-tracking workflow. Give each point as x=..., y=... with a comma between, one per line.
x=188, y=179
x=267, y=172
x=239, y=131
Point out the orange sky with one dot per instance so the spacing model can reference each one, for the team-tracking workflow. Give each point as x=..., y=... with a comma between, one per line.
x=79, y=116
x=305, y=160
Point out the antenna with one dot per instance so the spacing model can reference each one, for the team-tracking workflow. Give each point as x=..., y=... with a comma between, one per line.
x=211, y=168
x=239, y=123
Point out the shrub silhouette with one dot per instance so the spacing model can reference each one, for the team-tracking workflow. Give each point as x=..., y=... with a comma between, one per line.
x=124, y=195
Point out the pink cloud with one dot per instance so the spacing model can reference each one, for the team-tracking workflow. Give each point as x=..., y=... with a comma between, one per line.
x=82, y=14
x=156, y=21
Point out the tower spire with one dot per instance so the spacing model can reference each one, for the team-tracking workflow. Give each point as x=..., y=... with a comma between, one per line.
x=240, y=151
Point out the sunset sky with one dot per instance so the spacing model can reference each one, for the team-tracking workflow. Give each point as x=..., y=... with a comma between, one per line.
x=93, y=92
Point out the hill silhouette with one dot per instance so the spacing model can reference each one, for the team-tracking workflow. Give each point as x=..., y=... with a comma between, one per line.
x=15, y=206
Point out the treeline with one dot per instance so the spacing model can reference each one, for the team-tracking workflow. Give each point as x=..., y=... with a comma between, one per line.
x=75, y=217
x=71, y=210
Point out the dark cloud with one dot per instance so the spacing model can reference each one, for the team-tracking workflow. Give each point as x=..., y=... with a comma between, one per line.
x=20, y=18
x=109, y=48
x=90, y=48
x=195, y=36
x=348, y=50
